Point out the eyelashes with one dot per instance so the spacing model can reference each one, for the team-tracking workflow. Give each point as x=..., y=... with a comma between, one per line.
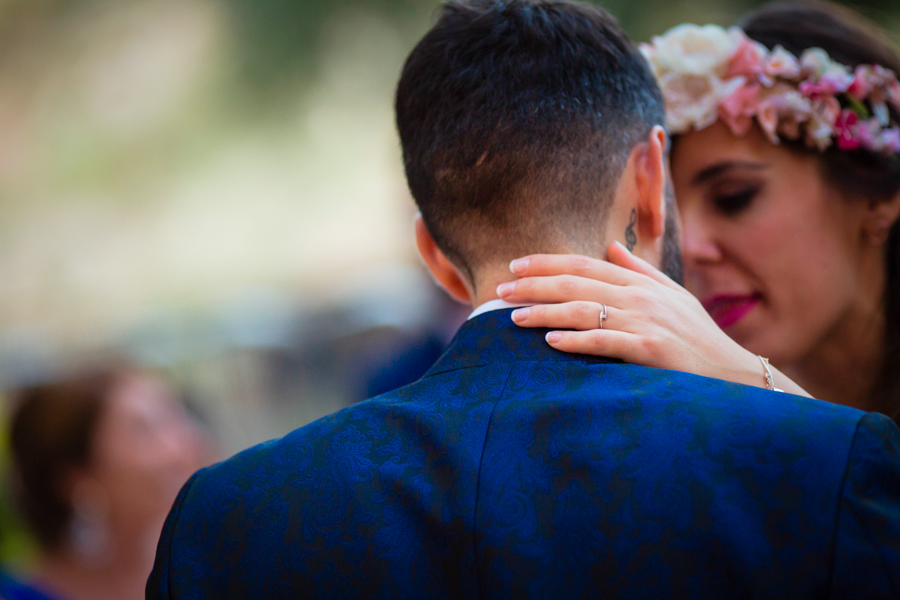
x=734, y=203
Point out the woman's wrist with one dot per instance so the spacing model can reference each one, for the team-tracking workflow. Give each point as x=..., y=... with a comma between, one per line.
x=748, y=370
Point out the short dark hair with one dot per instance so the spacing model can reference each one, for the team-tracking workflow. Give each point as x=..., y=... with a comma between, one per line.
x=516, y=119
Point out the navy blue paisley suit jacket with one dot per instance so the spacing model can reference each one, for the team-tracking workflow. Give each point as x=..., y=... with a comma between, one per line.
x=513, y=471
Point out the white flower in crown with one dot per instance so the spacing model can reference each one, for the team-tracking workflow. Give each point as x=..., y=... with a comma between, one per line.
x=816, y=62
x=691, y=49
x=781, y=63
x=692, y=101
x=650, y=53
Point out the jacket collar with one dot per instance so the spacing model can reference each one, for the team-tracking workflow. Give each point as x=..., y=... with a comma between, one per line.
x=492, y=337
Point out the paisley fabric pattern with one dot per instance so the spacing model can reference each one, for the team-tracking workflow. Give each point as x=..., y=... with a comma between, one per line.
x=515, y=471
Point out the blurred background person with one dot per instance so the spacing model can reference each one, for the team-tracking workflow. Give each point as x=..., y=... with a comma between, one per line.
x=98, y=459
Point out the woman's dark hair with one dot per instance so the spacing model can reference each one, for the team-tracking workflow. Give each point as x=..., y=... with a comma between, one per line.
x=52, y=432
x=850, y=40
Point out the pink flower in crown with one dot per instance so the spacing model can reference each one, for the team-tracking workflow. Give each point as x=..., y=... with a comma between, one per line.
x=886, y=90
x=868, y=134
x=882, y=77
x=791, y=102
x=827, y=109
x=767, y=117
x=875, y=81
x=863, y=81
x=828, y=84
x=781, y=63
x=782, y=112
x=891, y=140
x=747, y=60
x=893, y=94
x=872, y=137
x=822, y=121
x=847, y=131
x=737, y=110
x=789, y=129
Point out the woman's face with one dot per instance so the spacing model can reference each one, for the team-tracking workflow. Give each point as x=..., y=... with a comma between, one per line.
x=144, y=450
x=770, y=249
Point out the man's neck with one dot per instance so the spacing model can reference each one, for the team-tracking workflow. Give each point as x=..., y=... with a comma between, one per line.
x=487, y=281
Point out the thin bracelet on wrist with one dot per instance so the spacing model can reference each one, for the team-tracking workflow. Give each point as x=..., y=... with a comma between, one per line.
x=770, y=381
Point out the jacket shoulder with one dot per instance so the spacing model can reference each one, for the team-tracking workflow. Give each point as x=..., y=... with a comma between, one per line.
x=325, y=503
x=604, y=461
x=867, y=554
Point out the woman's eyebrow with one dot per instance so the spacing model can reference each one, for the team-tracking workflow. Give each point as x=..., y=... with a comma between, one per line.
x=719, y=168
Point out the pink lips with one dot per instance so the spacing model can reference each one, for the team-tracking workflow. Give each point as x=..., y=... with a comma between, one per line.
x=728, y=310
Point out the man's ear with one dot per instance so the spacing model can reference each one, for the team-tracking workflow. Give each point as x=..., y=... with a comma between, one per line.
x=880, y=218
x=650, y=178
x=444, y=272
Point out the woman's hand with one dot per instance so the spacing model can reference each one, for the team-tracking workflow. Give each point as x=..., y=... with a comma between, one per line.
x=651, y=320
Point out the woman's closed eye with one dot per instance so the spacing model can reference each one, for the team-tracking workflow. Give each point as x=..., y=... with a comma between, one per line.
x=733, y=202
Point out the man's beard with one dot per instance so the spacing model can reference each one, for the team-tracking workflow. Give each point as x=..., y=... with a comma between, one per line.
x=671, y=250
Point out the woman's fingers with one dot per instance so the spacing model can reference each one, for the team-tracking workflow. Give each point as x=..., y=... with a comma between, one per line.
x=542, y=265
x=608, y=343
x=618, y=255
x=571, y=315
x=559, y=288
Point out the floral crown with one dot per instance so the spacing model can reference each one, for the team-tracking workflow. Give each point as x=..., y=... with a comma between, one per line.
x=710, y=73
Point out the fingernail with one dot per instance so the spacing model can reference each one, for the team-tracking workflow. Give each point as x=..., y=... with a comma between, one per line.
x=519, y=265
x=505, y=289
x=521, y=314
x=619, y=244
x=553, y=337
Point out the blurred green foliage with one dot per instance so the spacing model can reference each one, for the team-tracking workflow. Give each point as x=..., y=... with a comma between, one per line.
x=16, y=547
x=274, y=43
x=277, y=39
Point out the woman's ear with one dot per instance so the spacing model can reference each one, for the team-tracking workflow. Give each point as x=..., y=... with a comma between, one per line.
x=650, y=178
x=444, y=272
x=880, y=218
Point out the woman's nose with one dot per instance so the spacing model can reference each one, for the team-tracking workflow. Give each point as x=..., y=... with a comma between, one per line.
x=698, y=244
x=178, y=444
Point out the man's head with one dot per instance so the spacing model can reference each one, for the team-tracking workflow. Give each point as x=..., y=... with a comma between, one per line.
x=529, y=126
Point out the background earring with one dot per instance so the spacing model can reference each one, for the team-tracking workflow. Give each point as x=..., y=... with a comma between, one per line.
x=89, y=538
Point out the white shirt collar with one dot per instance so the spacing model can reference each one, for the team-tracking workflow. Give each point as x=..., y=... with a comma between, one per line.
x=494, y=305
